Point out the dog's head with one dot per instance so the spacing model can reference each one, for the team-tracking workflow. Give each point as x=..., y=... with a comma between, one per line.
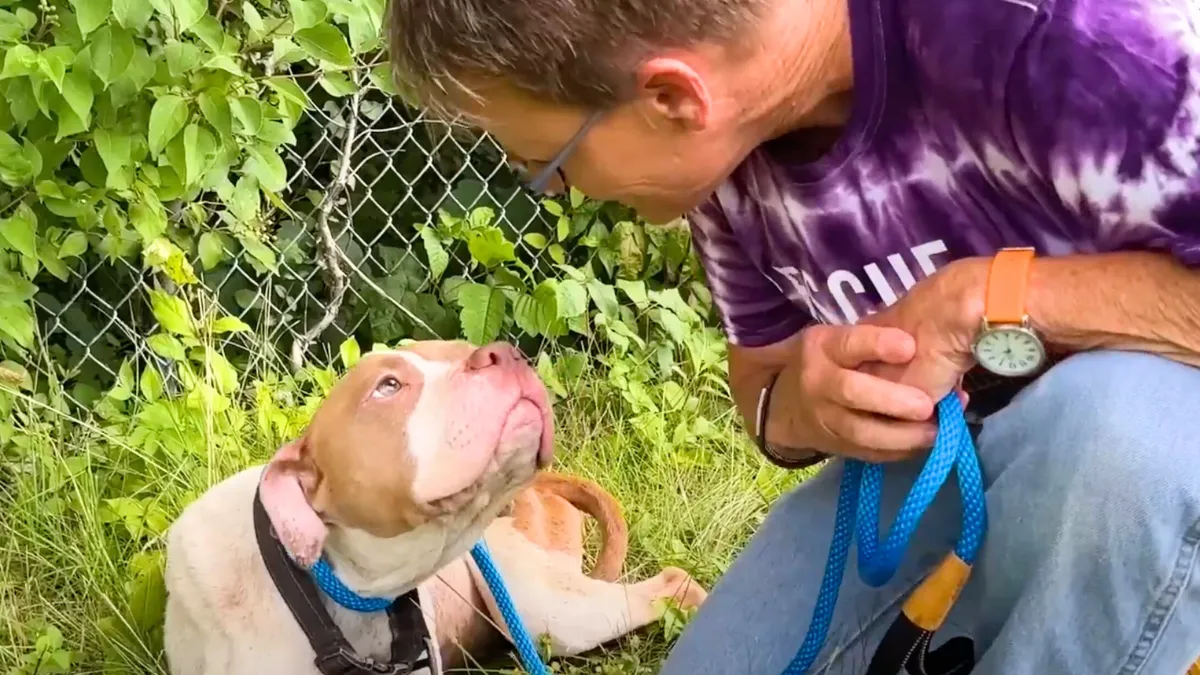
x=424, y=441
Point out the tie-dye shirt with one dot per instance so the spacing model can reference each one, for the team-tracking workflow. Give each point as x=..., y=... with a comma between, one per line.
x=1069, y=125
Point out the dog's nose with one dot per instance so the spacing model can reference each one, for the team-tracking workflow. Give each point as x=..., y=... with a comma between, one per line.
x=495, y=354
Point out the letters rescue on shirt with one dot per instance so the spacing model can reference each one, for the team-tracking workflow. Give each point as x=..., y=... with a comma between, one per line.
x=976, y=125
x=845, y=287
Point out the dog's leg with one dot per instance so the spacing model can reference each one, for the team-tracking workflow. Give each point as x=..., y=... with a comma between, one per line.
x=578, y=613
x=600, y=611
x=181, y=637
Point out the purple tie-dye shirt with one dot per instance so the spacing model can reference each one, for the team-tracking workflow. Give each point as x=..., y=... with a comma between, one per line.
x=1069, y=125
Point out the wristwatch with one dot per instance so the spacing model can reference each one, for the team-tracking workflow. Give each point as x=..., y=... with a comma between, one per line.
x=1007, y=344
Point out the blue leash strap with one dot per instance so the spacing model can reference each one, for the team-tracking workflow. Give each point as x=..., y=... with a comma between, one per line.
x=906, y=643
x=325, y=579
x=525, y=648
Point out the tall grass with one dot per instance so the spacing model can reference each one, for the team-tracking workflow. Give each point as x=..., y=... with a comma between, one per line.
x=84, y=502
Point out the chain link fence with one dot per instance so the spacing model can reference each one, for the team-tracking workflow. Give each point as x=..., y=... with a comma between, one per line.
x=339, y=254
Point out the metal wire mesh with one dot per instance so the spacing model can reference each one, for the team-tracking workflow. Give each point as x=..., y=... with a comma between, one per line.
x=403, y=168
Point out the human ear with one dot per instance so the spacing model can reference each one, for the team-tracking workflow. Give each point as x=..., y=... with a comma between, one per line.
x=673, y=90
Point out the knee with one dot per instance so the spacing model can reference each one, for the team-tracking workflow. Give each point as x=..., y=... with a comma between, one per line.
x=1109, y=432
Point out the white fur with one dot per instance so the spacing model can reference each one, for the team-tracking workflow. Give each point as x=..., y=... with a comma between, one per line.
x=426, y=426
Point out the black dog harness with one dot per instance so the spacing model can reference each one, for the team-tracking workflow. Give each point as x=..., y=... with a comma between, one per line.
x=412, y=648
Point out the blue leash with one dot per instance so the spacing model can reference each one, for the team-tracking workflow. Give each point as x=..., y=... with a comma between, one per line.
x=858, y=513
x=525, y=648
x=331, y=585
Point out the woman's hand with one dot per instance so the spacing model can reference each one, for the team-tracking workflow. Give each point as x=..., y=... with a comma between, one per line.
x=823, y=401
x=942, y=313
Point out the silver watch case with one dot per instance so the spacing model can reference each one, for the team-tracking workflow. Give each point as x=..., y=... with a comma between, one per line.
x=1024, y=328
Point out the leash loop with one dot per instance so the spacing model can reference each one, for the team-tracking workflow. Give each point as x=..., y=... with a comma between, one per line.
x=858, y=514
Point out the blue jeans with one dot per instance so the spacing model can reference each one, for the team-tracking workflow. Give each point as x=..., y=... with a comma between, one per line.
x=1089, y=567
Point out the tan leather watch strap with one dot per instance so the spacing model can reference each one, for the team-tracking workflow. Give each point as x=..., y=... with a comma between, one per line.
x=1008, y=280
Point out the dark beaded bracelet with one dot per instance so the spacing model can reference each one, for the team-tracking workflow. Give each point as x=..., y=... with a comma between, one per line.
x=764, y=406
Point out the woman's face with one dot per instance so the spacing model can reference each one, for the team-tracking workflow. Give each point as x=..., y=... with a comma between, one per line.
x=661, y=153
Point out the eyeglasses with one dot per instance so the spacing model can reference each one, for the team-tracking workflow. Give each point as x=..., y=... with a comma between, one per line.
x=537, y=184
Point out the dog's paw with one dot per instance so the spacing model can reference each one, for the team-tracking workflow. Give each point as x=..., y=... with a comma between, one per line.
x=683, y=588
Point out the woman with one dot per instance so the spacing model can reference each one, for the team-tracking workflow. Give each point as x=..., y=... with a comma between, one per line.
x=852, y=170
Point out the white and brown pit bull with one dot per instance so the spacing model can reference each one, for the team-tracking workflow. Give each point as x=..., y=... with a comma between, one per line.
x=414, y=456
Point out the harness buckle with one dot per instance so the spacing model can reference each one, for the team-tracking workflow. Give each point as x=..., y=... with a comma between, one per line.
x=345, y=662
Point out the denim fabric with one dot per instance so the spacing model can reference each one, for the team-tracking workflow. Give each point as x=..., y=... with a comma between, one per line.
x=1093, y=485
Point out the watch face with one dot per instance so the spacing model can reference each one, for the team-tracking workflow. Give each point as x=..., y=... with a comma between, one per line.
x=1009, y=351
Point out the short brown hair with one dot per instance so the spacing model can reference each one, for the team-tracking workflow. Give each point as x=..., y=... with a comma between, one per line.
x=580, y=52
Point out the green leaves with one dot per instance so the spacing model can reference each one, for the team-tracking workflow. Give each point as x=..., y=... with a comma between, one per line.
x=167, y=346
x=172, y=313
x=74, y=245
x=324, y=42
x=216, y=111
x=91, y=14
x=489, y=248
x=245, y=200
x=16, y=162
x=149, y=219
x=18, y=232
x=364, y=19
x=248, y=113
x=132, y=14
x=337, y=84
x=198, y=146
x=260, y=252
x=18, y=60
x=112, y=52
x=17, y=324
x=254, y=20
x=572, y=298
x=53, y=64
x=229, y=324
x=114, y=147
x=210, y=32
x=482, y=313
x=438, y=258
x=604, y=296
x=167, y=119
x=537, y=314
x=350, y=352
x=307, y=13
x=14, y=26
x=212, y=251
x=267, y=167
x=293, y=102
x=133, y=110
x=187, y=12
x=182, y=57
x=77, y=91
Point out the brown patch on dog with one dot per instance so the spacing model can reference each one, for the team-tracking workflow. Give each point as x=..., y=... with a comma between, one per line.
x=354, y=465
x=550, y=514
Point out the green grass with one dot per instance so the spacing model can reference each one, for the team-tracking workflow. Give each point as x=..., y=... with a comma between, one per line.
x=83, y=505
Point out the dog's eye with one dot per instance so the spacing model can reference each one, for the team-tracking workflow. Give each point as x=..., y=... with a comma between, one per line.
x=386, y=387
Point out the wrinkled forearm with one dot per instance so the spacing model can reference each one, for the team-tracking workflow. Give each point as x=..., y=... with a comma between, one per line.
x=1134, y=301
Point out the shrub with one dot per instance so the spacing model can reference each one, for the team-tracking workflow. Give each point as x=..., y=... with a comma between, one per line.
x=248, y=170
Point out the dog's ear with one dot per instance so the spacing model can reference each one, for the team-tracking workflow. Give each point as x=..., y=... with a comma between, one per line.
x=290, y=492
